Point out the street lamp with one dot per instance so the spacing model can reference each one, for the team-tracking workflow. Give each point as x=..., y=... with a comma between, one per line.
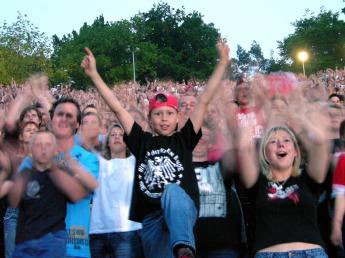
x=303, y=56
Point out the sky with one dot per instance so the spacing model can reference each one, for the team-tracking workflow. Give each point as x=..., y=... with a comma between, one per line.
x=240, y=22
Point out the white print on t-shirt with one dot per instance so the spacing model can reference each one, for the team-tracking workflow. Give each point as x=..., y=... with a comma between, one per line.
x=32, y=190
x=212, y=192
x=161, y=167
x=249, y=119
x=276, y=191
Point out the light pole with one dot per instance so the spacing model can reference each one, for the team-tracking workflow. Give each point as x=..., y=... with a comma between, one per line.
x=133, y=62
x=303, y=56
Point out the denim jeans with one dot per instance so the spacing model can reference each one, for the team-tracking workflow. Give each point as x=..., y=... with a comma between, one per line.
x=117, y=244
x=10, y=227
x=309, y=253
x=220, y=253
x=51, y=245
x=173, y=225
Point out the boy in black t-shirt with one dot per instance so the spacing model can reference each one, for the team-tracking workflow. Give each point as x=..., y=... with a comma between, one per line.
x=165, y=194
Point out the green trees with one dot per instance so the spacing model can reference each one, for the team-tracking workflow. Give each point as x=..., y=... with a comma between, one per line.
x=322, y=36
x=167, y=43
x=23, y=50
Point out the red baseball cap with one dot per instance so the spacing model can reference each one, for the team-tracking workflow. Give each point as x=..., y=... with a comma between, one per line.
x=161, y=100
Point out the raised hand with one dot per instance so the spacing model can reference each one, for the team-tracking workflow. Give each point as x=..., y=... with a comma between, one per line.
x=89, y=63
x=223, y=51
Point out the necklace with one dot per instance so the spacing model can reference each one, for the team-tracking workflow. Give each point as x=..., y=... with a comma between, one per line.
x=278, y=185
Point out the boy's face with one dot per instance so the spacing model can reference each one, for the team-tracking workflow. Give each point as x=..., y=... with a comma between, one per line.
x=90, y=126
x=163, y=120
x=43, y=149
x=28, y=131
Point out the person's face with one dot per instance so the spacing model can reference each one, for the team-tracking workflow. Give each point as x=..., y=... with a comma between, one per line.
x=280, y=150
x=116, y=143
x=163, y=120
x=243, y=94
x=45, y=117
x=212, y=116
x=336, y=116
x=201, y=149
x=28, y=131
x=31, y=116
x=43, y=149
x=278, y=105
x=64, y=122
x=187, y=105
x=90, y=126
x=335, y=100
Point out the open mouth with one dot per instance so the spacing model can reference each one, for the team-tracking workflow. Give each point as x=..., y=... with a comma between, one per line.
x=281, y=154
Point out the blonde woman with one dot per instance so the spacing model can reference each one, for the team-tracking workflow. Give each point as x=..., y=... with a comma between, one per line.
x=284, y=195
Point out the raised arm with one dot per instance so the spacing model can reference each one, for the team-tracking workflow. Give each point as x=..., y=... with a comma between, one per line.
x=212, y=84
x=90, y=69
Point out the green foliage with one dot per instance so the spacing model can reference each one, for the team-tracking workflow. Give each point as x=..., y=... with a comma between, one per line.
x=166, y=43
x=23, y=50
x=322, y=36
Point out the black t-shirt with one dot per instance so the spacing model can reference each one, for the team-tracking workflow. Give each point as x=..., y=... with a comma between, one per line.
x=219, y=222
x=286, y=212
x=161, y=160
x=42, y=208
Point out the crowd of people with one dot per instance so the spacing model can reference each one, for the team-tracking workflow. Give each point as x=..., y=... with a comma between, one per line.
x=253, y=167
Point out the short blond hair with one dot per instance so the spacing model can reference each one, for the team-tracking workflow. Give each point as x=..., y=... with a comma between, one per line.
x=265, y=165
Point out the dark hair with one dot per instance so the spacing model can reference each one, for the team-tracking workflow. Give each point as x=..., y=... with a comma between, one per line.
x=89, y=106
x=27, y=109
x=339, y=96
x=66, y=100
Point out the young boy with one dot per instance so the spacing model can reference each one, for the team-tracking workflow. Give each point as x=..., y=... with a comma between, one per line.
x=41, y=193
x=165, y=195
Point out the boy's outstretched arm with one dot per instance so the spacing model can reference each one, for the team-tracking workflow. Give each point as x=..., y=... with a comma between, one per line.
x=212, y=84
x=90, y=69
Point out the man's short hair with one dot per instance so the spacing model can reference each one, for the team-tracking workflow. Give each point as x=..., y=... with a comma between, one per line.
x=66, y=100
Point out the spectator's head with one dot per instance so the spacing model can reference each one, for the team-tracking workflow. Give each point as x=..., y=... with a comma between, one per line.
x=90, y=108
x=42, y=148
x=31, y=114
x=115, y=147
x=65, y=115
x=279, y=151
x=212, y=117
x=163, y=114
x=243, y=95
x=26, y=131
x=45, y=115
x=187, y=104
x=336, y=114
x=90, y=125
x=336, y=99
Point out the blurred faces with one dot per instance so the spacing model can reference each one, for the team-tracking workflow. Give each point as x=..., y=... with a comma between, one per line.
x=90, y=125
x=115, y=142
x=64, y=121
x=29, y=129
x=163, y=120
x=43, y=147
x=280, y=151
x=187, y=105
x=243, y=94
x=31, y=116
x=335, y=100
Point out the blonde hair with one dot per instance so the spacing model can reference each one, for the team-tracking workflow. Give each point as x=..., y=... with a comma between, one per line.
x=264, y=163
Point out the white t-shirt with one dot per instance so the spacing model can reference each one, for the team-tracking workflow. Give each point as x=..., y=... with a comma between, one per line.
x=112, y=198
